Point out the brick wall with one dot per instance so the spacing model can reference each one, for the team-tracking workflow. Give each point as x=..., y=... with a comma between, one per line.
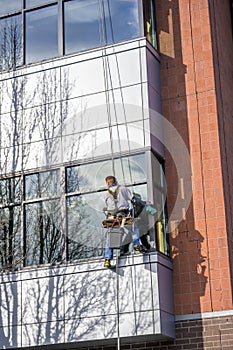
x=200, y=247
x=209, y=333
x=222, y=40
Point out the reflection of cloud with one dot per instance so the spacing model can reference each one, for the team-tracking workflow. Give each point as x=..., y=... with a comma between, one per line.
x=46, y=14
x=84, y=12
x=11, y=6
x=88, y=11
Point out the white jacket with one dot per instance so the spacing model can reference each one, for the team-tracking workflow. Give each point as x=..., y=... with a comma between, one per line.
x=123, y=198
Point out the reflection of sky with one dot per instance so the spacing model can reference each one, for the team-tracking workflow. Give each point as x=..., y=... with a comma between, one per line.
x=41, y=34
x=7, y=6
x=124, y=16
x=13, y=22
x=82, y=11
x=83, y=27
x=91, y=177
x=131, y=169
x=33, y=3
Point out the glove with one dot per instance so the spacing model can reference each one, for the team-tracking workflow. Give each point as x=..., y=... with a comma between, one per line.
x=151, y=210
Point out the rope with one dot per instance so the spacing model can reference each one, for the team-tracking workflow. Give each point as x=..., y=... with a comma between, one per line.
x=122, y=97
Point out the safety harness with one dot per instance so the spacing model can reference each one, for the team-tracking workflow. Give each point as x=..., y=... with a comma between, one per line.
x=116, y=210
x=114, y=193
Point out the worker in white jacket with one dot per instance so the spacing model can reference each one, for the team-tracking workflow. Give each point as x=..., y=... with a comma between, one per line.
x=117, y=200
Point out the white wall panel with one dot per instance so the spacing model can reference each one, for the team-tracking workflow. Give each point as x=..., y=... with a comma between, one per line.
x=95, y=328
x=41, y=122
x=43, y=87
x=85, y=114
x=136, y=323
x=11, y=159
x=11, y=94
x=10, y=296
x=42, y=300
x=42, y=334
x=10, y=337
x=42, y=153
x=84, y=77
x=132, y=281
x=11, y=129
x=86, y=145
x=79, y=302
x=122, y=69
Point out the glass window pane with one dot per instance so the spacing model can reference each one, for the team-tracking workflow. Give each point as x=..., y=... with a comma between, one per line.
x=85, y=232
x=10, y=190
x=89, y=177
x=10, y=6
x=131, y=169
x=10, y=42
x=41, y=34
x=33, y=3
x=43, y=233
x=82, y=27
x=159, y=193
x=150, y=22
x=40, y=185
x=122, y=20
x=11, y=255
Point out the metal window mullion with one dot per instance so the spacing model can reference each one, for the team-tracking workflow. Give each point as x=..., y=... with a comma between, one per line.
x=140, y=18
x=22, y=223
x=40, y=199
x=23, y=31
x=60, y=28
x=64, y=229
x=150, y=191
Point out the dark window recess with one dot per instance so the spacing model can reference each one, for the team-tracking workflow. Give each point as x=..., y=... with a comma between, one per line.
x=231, y=9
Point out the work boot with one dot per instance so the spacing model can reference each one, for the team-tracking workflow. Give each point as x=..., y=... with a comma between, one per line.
x=139, y=248
x=107, y=263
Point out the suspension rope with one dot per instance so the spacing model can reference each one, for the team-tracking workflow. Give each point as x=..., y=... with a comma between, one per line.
x=121, y=95
x=103, y=40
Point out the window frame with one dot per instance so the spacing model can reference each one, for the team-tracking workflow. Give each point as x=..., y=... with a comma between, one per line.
x=64, y=196
x=60, y=28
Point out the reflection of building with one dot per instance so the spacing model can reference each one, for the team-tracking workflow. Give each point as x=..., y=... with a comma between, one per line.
x=81, y=99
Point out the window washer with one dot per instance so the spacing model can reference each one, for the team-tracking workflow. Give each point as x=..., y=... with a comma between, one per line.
x=117, y=201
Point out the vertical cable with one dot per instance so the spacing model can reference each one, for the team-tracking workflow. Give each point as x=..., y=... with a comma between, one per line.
x=102, y=28
x=121, y=94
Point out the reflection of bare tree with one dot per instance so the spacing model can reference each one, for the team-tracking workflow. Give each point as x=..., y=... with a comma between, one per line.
x=87, y=298
x=51, y=114
x=43, y=239
x=10, y=249
x=11, y=45
x=84, y=240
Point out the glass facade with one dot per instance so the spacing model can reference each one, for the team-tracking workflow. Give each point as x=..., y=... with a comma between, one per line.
x=54, y=28
x=11, y=254
x=34, y=3
x=51, y=216
x=81, y=25
x=43, y=239
x=8, y=7
x=10, y=42
x=41, y=34
x=45, y=220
